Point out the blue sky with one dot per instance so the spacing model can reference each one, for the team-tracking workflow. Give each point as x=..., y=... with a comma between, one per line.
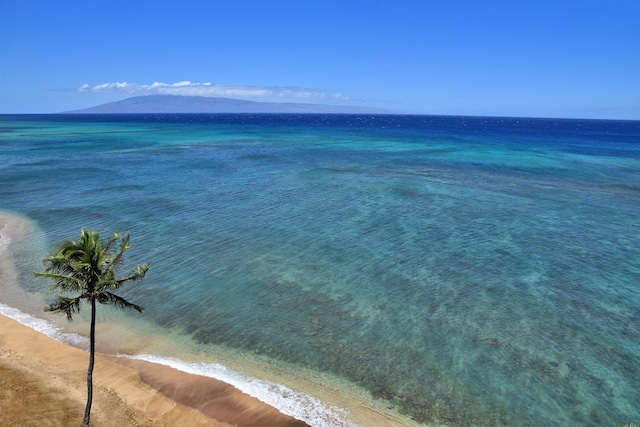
x=542, y=58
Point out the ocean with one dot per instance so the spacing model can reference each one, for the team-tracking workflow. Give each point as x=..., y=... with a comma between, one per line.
x=455, y=270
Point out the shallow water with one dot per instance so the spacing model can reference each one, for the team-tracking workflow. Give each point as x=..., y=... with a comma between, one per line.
x=469, y=271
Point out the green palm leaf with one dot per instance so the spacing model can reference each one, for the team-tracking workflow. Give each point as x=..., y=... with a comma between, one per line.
x=67, y=306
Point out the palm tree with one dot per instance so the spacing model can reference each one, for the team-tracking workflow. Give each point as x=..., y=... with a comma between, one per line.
x=88, y=266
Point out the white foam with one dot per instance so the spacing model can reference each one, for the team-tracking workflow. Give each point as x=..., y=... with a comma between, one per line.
x=290, y=402
x=5, y=241
x=43, y=326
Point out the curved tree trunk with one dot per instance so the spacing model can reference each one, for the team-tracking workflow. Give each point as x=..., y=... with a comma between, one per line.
x=92, y=350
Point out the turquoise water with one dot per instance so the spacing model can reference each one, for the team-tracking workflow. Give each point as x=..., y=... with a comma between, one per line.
x=469, y=271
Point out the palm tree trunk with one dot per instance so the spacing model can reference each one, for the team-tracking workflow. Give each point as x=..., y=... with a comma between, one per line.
x=92, y=350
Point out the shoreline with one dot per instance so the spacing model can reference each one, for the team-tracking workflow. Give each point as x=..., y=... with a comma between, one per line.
x=136, y=387
x=41, y=374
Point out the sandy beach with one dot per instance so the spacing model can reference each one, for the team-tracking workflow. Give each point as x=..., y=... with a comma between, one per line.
x=43, y=382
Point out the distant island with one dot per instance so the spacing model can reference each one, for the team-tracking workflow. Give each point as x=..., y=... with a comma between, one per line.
x=201, y=104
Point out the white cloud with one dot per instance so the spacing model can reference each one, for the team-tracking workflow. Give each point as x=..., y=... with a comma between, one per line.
x=213, y=90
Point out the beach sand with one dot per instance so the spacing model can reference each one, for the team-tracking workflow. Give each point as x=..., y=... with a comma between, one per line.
x=43, y=381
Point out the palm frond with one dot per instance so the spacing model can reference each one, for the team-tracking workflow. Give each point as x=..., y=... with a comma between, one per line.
x=63, y=282
x=91, y=248
x=125, y=245
x=108, y=243
x=134, y=276
x=118, y=301
x=68, y=306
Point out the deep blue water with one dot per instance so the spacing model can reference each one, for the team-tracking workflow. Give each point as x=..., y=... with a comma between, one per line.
x=471, y=271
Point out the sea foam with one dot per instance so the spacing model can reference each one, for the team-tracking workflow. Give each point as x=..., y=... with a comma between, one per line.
x=290, y=402
x=45, y=327
x=5, y=241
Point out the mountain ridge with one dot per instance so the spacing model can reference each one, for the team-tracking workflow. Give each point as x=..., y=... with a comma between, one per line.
x=201, y=104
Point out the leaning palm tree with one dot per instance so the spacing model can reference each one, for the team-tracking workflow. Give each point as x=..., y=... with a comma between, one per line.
x=88, y=266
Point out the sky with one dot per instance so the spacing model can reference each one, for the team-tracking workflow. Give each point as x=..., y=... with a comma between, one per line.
x=536, y=58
